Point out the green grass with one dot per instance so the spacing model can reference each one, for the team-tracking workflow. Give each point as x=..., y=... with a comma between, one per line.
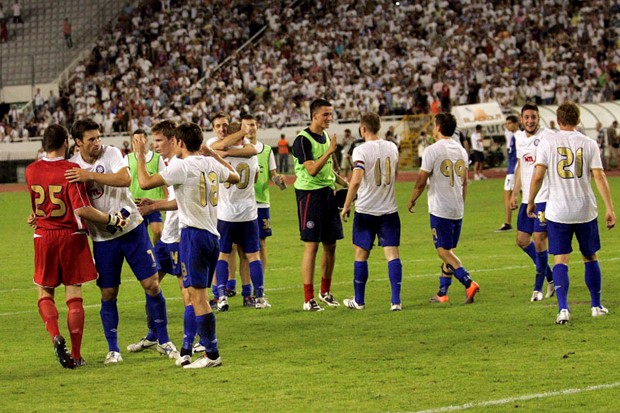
x=286, y=360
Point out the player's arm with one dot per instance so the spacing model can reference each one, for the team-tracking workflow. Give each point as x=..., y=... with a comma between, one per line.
x=115, y=222
x=161, y=205
x=314, y=166
x=121, y=178
x=537, y=180
x=145, y=180
x=354, y=186
x=602, y=185
x=517, y=188
x=420, y=185
x=465, y=184
x=341, y=181
x=247, y=151
x=233, y=176
x=229, y=140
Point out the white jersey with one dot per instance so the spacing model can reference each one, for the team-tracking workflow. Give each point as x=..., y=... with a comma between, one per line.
x=238, y=201
x=569, y=157
x=476, y=142
x=446, y=161
x=109, y=199
x=526, y=154
x=379, y=160
x=196, y=182
x=171, y=234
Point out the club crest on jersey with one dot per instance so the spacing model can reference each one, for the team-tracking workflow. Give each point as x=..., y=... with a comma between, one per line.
x=536, y=141
x=99, y=169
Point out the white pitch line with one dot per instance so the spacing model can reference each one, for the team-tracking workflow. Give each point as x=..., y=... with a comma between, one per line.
x=526, y=397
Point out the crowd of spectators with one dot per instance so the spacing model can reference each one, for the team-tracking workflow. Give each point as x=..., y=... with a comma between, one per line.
x=415, y=57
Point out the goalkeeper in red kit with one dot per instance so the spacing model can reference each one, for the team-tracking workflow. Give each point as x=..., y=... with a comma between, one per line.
x=61, y=251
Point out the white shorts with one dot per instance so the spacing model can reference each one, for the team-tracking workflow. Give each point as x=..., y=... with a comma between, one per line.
x=509, y=183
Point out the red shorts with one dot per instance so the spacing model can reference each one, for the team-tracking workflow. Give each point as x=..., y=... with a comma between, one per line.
x=62, y=257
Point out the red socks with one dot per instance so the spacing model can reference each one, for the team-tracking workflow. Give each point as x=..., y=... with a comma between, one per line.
x=326, y=285
x=49, y=314
x=75, y=322
x=309, y=292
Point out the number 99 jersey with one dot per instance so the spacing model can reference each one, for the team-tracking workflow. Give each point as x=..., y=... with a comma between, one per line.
x=446, y=161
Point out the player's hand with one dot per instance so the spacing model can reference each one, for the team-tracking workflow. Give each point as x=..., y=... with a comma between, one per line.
x=32, y=220
x=531, y=210
x=279, y=181
x=610, y=219
x=138, y=145
x=333, y=142
x=77, y=175
x=118, y=221
x=345, y=213
x=144, y=201
x=513, y=202
x=411, y=206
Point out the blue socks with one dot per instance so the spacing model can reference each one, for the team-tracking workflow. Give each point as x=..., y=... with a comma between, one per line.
x=395, y=273
x=593, y=281
x=157, y=308
x=462, y=275
x=444, y=284
x=189, y=328
x=206, y=331
x=246, y=290
x=258, y=277
x=109, y=319
x=152, y=333
x=231, y=284
x=360, y=277
x=530, y=250
x=542, y=264
x=560, y=279
x=221, y=277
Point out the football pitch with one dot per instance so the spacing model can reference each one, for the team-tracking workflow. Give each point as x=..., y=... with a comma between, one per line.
x=501, y=354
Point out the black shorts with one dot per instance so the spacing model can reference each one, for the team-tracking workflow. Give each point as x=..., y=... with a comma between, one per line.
x=477, y=156
x=319, y=219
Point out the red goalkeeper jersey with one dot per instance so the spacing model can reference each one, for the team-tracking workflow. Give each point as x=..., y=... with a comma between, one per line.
x=54, y=200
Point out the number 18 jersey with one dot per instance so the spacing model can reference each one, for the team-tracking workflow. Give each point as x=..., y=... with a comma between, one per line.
x=446, y=162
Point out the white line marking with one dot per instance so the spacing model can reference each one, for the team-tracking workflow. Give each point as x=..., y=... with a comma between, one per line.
x=526, y=397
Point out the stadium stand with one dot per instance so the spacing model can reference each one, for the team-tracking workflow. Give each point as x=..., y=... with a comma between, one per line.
x=187, y=61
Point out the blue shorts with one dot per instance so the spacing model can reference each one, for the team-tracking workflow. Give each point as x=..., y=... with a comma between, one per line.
x=168, y=257
x=134, y=246
x=561, y=236
x=531, y=225
x=367, y=227
x=154, y=216
x=446, y=232
x=244, y=234
x=264, y=223
x=198, y=252
x=317, y=212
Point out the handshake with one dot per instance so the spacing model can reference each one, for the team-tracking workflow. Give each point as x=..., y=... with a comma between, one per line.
x=118, y=221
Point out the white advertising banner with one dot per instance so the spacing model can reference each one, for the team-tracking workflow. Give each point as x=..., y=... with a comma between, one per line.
x=485, y=114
